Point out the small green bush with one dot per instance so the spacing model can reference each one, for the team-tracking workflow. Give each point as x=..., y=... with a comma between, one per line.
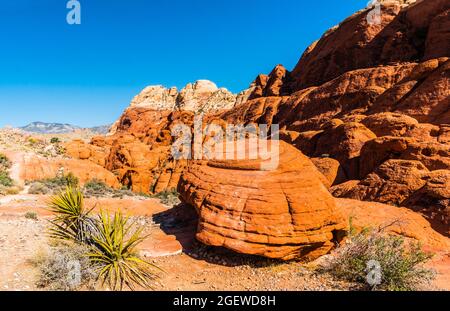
x=38, y=188
x=400, y=264
x=71, y=180
x=5, y=163
x=5, y=180
x=168, y=197
x=31, y=215
x=53, y=185
x=32, y=141
x=55, y=140
x=97, y=188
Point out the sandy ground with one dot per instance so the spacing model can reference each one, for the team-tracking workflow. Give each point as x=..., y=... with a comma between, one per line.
x=187, y=264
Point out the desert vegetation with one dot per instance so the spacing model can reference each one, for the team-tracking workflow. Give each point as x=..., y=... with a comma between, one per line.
x=101, y=249
x=7, y=184
x=53, y=185
x=31, y=215
x=93, y=188
x=55, y=140
x=97, y=188
x=64, y=266
x=43, y=145
x=376, y=260
x=168, y=197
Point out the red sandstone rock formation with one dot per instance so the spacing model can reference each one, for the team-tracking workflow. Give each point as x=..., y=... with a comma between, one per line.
x=139, y=153
x=396, y=220
x=284, y=213
x=376, y=99
x=32, y=167
x=370, y=104
x=138, y=149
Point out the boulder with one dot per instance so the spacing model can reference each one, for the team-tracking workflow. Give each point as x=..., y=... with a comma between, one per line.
x=392, y=182
x=344, y=143
x=390, y=124
x=284, y=213
x=433, y=155
x=433, y=200
x=331, y=169
x=342, y=190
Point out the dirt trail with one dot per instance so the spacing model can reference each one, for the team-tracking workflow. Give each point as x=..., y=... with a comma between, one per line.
x=20, y=240
x=15, y=172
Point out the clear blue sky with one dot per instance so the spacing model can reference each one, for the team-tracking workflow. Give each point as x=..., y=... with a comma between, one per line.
x=87, y=74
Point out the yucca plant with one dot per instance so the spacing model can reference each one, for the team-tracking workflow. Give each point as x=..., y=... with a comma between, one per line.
x=114, y=253
x=112, y=241
x=72, y=221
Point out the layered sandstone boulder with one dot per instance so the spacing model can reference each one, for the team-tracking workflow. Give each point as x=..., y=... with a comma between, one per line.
x=285, y=212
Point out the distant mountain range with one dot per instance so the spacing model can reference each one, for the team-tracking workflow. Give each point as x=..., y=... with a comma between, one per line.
x=60, y=128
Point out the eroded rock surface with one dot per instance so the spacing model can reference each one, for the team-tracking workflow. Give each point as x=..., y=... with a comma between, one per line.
x=284, y=213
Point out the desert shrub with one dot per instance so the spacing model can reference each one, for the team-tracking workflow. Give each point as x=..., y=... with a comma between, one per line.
x=4, y=190
x=168, y=197
x=65, y=267
x=31, y=215
x=71, y=180
x=397, y=264
x=121, y=193
x=115, y=257
x=13, y=190
x=53, y=185
x=5, y=180
x=97, y=188
x=5, y=163
x=38, y=188
x=55, y=140
x=112, y=241
x=32, y=141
